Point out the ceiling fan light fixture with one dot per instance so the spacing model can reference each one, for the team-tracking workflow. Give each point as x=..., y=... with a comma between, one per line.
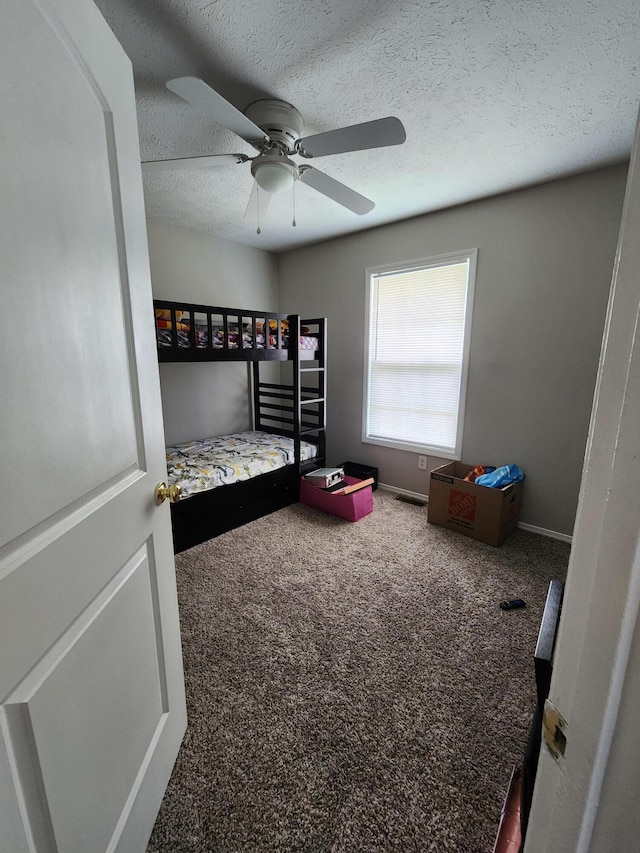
x=274, y=174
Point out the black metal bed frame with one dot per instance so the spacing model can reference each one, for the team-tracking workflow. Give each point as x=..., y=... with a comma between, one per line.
x=295, y=410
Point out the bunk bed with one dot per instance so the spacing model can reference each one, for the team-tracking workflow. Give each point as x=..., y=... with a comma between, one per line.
x=229, y=480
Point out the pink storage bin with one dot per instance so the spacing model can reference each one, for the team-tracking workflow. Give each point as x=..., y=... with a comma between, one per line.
x=350, y=507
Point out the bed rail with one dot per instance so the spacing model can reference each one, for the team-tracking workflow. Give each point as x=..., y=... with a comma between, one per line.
x=186, y=331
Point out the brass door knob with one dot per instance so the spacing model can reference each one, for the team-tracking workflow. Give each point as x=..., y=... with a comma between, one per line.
x=162, y=492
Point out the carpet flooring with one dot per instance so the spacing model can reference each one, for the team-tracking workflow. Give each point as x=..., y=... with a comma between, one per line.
x=352, y=687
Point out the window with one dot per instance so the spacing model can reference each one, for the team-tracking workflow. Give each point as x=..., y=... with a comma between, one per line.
x=418, y=332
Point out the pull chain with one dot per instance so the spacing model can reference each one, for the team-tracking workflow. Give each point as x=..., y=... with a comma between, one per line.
x=293, y=196
x=258, y=202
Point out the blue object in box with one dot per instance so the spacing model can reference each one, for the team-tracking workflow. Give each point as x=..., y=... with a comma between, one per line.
x=502, y=476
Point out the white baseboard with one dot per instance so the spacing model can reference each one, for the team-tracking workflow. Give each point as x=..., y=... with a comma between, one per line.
x=542, y=531
x=417, y=495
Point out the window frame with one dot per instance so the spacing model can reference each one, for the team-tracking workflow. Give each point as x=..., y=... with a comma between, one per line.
x=470, y=257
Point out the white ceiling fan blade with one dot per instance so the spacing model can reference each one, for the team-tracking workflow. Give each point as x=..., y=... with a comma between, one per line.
x=207, y=100
x=335, y=190
x=205, y=162
x=357, y=137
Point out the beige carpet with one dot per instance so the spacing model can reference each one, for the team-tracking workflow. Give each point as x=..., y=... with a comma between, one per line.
x=352, y=687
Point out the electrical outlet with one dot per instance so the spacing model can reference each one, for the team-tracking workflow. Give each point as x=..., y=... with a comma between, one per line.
x=422, y=463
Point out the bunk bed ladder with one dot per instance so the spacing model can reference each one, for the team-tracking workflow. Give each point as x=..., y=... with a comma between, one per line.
x=297, y=409
x=311, y=398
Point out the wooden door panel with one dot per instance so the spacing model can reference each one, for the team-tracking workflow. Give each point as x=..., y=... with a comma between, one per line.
x=53, y=314
x=12, y=833
x=92, y=706
x=82, y=551
x=100, y=686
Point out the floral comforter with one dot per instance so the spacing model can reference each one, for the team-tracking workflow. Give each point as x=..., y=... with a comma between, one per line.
x=211, y=462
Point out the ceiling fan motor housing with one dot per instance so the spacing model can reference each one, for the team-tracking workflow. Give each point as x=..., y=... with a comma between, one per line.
x=280, y=121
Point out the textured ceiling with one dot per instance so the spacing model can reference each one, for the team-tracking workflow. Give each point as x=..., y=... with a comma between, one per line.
x=494, y=95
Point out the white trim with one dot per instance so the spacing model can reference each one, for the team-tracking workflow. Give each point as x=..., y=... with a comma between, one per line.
x=472, y=254
x=421, y=449
x=419, y=263
x=469, y=256
x=367, y=346
x=612, y=709
x=542, y=531
x=387, y=488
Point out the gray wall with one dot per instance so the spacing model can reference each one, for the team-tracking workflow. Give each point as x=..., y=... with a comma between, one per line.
x=201, y=400
x=545, y=260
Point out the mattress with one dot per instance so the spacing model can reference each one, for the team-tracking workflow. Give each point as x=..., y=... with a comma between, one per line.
x=197, y=466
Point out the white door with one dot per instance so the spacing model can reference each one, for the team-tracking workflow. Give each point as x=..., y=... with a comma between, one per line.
x=92, y=705
x=588, y=801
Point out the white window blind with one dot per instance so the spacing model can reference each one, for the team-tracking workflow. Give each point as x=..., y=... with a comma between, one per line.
x=417, y=354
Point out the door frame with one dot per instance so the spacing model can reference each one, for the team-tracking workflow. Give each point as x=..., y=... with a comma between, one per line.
x=580, y=798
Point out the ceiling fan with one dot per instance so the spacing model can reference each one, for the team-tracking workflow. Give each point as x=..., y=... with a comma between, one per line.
x=274, y=128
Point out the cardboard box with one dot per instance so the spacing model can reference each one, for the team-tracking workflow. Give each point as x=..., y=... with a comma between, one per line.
x=486, y=514
x=351, y=507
